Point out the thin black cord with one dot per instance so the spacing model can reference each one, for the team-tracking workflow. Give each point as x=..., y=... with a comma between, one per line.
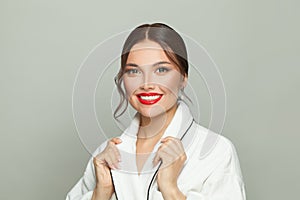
x=113, y=183
x=148, y=192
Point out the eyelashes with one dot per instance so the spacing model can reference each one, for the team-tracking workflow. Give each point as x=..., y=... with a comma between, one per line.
x=131, y=71
x=162, y=69
x=135, y=71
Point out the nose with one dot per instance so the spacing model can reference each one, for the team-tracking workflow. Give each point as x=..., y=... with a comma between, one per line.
x=147, y=86
x=148, y=83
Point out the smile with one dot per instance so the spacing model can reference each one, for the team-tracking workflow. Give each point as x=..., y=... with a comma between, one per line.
x=149, y=98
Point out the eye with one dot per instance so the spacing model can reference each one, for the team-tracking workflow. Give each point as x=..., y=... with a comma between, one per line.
x=162, y=69
x=131, y=71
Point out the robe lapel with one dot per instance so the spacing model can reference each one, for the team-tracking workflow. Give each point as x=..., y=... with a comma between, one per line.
x=126, y=181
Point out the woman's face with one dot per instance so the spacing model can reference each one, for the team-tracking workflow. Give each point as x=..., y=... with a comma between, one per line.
x=151, y=80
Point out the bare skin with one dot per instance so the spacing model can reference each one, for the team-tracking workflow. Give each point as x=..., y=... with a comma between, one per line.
x=154, y=119
x=107, y=159
x=171, y=153
x=146, y=142
x=140, y=78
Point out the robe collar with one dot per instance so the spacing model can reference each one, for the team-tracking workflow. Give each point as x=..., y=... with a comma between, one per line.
x=180, y=122
x=181, y=118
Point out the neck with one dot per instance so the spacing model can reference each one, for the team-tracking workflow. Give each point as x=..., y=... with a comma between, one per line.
x=154, y=127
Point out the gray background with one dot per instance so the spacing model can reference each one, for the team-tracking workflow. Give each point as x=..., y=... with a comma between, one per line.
x=254, y=43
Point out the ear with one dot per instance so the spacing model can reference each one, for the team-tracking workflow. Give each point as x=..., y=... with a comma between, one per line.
x=184, y=81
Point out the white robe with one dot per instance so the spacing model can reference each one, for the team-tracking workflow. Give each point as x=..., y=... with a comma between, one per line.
x=216, y=176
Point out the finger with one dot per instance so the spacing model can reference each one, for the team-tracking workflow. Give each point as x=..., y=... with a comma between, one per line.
x=117, y=153
x=112, y=147
x=167, y=138
x=114, y=156
x=156, y=159
x=166, y=159
x=111, y=162
x=162, y=155
x=116, y=140
x=179, y=144
x=113, y=150
x=98, y=160
x=172, y=144
x=167, y=154
x=179, y=153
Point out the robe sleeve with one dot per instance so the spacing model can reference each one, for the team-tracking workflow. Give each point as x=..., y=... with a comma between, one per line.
x=83, y=190
x=227, y=187
x=225, y=182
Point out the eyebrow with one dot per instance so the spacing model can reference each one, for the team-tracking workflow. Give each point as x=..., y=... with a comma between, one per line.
x=157, y=63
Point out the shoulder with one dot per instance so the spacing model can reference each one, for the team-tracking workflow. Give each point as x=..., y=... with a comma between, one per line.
x=215, y=150
x=212, y=141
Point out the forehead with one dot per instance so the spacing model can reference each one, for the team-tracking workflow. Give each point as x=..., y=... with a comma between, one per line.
x=146, y=52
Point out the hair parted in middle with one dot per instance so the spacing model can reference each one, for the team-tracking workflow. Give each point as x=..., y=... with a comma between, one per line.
x=171, y=43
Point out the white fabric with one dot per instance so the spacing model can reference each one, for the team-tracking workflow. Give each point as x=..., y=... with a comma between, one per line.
x=215, y=177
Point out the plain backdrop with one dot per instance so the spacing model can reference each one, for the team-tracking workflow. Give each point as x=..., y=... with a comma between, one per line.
x=254, y=43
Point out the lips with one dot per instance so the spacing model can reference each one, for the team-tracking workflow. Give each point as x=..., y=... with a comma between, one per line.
x=149, y=98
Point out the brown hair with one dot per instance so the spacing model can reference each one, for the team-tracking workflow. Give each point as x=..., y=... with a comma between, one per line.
x=172, y=44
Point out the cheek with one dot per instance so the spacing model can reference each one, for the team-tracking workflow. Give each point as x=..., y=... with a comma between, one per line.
x=171, y=83
x=130, y=85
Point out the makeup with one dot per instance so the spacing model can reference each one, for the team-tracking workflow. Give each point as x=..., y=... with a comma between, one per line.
x=149, y=98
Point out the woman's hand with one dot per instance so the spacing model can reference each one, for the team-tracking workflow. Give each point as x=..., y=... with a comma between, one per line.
x=173, y=157
x=108, y=158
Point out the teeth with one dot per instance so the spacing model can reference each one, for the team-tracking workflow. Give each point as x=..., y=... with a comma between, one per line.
x=150, y=98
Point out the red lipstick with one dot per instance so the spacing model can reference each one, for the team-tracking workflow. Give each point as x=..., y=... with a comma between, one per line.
x=149, y=98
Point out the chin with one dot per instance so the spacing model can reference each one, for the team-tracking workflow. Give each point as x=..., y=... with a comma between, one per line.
x=155, y=110
x=152, y=111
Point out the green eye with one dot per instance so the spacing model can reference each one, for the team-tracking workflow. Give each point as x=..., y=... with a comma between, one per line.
x=162, y=69
x=131, y=71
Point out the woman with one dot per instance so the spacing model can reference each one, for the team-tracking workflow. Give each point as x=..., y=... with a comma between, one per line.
x=157, y=156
